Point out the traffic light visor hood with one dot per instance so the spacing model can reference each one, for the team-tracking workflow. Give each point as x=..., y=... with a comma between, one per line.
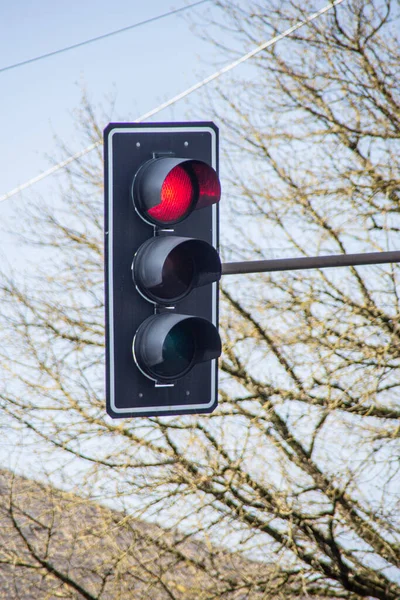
x=166, y=190
x=167, y=346
x=165, y=269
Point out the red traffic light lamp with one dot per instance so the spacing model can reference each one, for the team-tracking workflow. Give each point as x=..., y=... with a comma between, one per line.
x=166, y=190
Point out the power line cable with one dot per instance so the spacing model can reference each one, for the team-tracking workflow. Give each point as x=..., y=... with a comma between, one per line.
x=102, y=37
x=175, y=99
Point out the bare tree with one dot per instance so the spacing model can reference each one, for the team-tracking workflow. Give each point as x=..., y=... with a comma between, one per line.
x=298, y=468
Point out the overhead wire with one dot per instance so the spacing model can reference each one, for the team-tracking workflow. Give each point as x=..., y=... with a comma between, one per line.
x=102, y=37
x=174, y=99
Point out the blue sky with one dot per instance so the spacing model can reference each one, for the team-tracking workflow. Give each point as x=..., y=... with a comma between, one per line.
x=140, y=68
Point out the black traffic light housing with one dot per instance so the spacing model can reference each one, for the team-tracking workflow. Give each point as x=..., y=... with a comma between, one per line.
x=162, y=268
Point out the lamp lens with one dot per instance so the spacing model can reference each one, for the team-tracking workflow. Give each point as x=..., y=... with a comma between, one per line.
x=176, y=197
x=178, y=351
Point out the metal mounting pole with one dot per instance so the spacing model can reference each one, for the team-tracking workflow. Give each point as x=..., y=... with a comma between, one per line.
x=310, y=262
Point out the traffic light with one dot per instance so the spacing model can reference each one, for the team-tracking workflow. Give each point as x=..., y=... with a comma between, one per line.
x=161, y=268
